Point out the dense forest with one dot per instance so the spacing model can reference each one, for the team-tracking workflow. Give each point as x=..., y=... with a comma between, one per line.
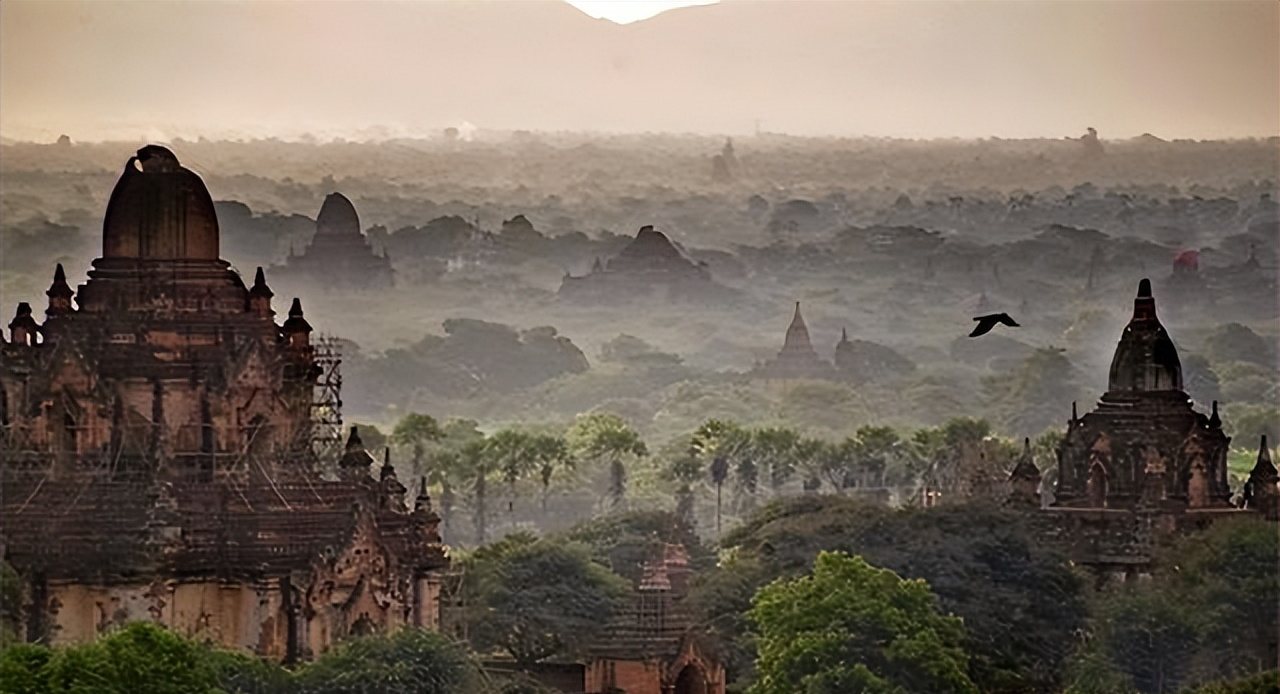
x=568, y=433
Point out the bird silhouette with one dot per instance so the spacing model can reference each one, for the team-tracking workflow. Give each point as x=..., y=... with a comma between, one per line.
x=986, y=323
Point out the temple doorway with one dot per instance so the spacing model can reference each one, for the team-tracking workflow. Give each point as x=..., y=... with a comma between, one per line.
x=691, y=681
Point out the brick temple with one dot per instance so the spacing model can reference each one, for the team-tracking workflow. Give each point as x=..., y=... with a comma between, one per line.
x=159, y=458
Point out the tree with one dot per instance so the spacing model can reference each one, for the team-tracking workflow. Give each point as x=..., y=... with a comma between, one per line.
x=851, y=627
x=141, y=658
x=1227, y=575
x=512, y=606
x=476, y=464
x=718, y=444
x=774, y=449
x=450, y=470
x=606, y=438
x=550, y=453
x=1022, y=604
x=1149, y=638
x=511, y=453
x=22, y=668
x=416, y=431
x=624, y=541
x=686, y=470
x=10, y=603
x=874, y=450
x=410, y=661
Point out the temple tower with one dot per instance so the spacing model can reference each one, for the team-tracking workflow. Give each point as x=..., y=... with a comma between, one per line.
x=158, y=458
x=797, y=358
x=1144, y=443
x=339, y=255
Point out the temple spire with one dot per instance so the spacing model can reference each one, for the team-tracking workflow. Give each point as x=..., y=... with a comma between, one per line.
x=797, y=333
x=423, y=502
x=296, y=330
x=1024, y=479
x=59, y=294
x=356, y=461
x=1145, y=359
x=1260, y=492
x=23, y=328
x=260, y=296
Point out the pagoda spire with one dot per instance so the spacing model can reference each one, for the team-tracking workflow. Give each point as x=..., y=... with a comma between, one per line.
x=296, y=330
x=423, y=502
x=1260, y=492
x=1024, y=479
x=59, y=294
x=260, y=296
x=797, y=333
x=1145, y=359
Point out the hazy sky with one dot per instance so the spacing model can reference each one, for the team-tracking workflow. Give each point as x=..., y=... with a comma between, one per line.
x=1035, y=68
x=627, y=11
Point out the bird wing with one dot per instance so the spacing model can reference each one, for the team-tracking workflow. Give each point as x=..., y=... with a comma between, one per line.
x=1004, y=318
x=985, y=324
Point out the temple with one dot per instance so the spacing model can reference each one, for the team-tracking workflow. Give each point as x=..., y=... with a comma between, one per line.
x=159, y=458
x=1144, y=464
x=339, y=254
x=651, y=266
x=797, y=358
x=651, y=646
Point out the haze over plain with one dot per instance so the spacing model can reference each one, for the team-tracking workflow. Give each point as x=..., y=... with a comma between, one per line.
x=896, y=69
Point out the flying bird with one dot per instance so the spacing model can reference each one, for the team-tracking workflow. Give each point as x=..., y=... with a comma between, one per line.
x=986, y=323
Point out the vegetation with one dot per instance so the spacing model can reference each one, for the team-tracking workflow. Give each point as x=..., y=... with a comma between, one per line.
x=534, y=599
x=147, y=659
x=850, y=627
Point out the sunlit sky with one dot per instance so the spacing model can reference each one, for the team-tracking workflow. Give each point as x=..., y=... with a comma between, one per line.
x=627, y=11
x=359, y=69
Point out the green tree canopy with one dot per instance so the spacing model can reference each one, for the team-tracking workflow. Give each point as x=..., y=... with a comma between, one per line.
x=534, y=598
x=410, y=661
x=141, y=658
x=852, y=628
x=622, y=541
x=1021, y=603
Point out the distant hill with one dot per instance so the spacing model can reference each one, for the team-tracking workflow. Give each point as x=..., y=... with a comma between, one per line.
x=913, y=69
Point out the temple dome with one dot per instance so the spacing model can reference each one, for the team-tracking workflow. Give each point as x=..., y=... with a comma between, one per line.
x=1145, y=359
x=337, y=216
x=159, y=211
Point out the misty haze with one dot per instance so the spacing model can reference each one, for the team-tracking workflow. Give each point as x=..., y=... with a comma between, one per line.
x=513, y=347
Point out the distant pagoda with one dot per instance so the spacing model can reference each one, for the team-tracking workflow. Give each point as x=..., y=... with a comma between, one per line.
x=797, y=358
x=650, y=266
x=339, y=255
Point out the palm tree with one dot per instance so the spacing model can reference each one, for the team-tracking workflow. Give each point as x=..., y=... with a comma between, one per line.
x=448, y=469
x=416, y=430
x=550, y=453
x=509, y=449
x=474, y=458
x=604, y=437
x=718, y=443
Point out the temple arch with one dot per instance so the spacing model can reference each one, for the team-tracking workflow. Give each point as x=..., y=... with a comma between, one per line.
x=691, y=680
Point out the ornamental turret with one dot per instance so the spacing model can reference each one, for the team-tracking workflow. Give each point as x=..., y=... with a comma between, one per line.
x=296, y=330
x=1024, y=479
x=356, y=462
x=60, y=294
x=260, y=296
x=1260, y=492
x=23, y=328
